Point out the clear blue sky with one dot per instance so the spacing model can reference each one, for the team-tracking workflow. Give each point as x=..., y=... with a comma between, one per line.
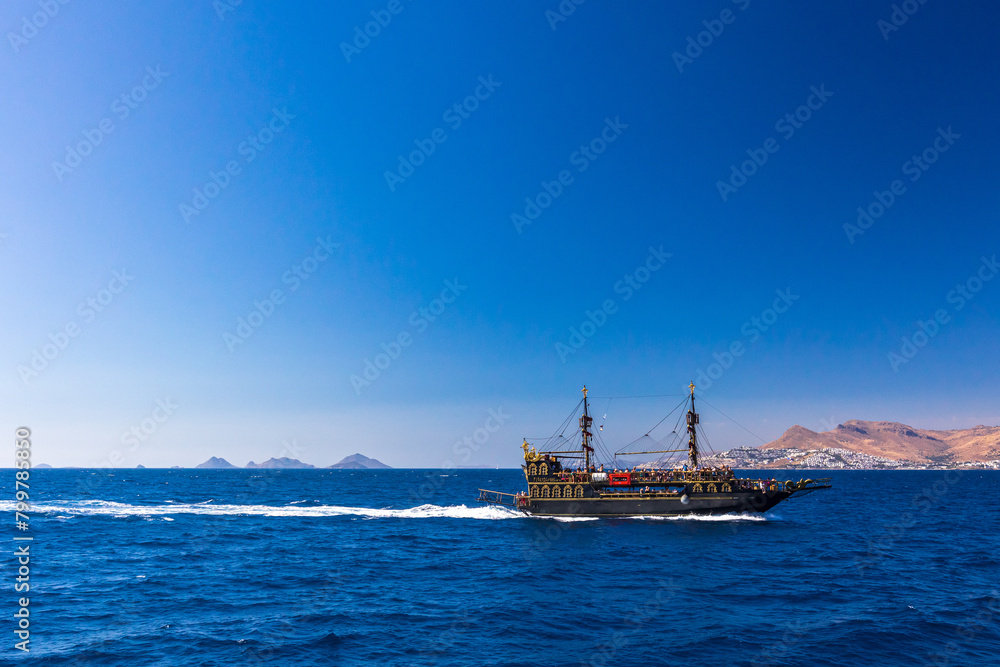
x=309, y=128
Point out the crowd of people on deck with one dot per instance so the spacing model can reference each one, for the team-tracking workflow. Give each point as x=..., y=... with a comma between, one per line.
x=678, y=474
x=708, y=473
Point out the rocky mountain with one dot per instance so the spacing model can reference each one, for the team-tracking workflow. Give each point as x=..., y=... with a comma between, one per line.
x=283, y=463
x=900, y=442
x=359, y=462
x=215, y=462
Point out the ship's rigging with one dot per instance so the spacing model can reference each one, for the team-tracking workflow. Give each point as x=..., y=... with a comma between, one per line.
x=686, y=443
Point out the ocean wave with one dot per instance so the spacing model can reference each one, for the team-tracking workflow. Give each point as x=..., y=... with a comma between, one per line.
x=123, y=510
x=704, y=517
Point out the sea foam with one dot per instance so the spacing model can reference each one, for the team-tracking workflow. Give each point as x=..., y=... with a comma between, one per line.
x=109, y=508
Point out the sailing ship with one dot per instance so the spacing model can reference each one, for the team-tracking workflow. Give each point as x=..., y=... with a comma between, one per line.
x=569, y=482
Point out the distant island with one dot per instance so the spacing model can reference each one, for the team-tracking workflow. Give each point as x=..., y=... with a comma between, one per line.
x=284, y=463
x=359, y=462
x=871, y=445
x=215, y=462
x=352, y=462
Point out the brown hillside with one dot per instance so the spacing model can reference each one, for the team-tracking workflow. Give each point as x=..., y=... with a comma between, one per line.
x=898, y=441
x=979, y=443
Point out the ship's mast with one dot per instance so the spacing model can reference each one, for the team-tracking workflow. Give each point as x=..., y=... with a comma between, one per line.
x=585, y=422
x=692, y=420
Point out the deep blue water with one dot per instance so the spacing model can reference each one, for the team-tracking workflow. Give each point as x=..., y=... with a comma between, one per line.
x=402, y=567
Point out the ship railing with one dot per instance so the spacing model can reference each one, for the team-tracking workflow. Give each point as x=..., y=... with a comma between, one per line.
x=498, y=498
x=636, y=494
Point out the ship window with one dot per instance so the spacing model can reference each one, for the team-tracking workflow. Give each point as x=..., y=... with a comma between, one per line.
x=726, y=488
x=579, y=492
x=543, y=469
x=532, y=469
x=697, y=488
x=534, y=491
x=555, y=492
x=712, y=488
x=545, y=491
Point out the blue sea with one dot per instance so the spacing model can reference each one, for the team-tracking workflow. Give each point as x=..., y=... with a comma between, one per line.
x=403, y=567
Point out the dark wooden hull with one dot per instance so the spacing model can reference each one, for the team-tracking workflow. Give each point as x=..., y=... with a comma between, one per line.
x=715, y=503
